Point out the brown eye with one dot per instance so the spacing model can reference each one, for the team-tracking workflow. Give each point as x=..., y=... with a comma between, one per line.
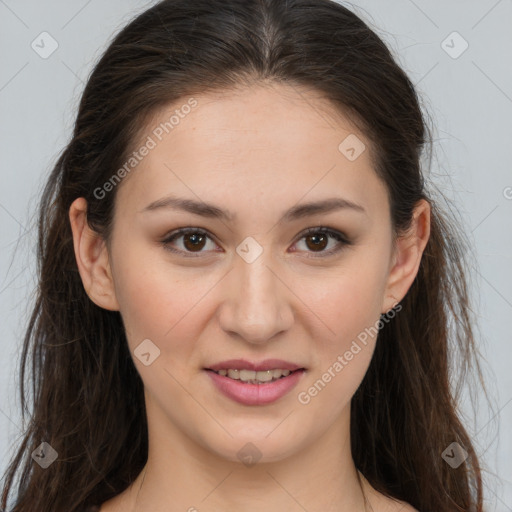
x=318, y=241
x=193, y=242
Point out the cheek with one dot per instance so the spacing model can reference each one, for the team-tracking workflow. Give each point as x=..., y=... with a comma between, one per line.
x=349, y=308
x=160, y=301
x=348, y=301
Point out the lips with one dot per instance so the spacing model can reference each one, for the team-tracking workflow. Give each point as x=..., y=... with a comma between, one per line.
x=249, y=392
x=267, y=364
x=255, y=394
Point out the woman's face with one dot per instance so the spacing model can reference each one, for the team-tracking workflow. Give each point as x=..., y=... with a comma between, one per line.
x=248, y=283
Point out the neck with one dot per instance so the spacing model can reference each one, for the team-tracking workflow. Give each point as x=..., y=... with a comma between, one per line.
x=182, y=475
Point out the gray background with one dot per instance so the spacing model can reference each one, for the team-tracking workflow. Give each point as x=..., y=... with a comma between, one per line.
x=468, y=97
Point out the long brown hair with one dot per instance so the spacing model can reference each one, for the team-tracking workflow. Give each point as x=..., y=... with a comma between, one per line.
x=87, y=399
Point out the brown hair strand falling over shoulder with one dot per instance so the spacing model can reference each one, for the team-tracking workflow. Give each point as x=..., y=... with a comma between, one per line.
x=88, y=401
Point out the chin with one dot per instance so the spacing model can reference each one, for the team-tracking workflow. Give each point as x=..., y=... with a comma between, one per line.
x=256, y=449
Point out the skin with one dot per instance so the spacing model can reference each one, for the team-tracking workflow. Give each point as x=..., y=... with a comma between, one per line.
x=274, y=146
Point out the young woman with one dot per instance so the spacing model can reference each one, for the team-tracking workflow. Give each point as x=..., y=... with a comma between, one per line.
x=247, y=297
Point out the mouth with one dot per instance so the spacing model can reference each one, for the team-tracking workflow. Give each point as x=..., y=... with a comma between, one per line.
x=255, y=377
x=255, y=383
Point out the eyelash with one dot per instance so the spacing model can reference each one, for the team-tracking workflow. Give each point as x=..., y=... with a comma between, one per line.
x=324, y=230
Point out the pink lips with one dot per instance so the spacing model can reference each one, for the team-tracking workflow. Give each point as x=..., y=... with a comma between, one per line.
x=243, y=364
x=255, y=394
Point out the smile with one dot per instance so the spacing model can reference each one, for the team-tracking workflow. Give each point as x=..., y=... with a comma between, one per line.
x=250, y=387
x=253, y=377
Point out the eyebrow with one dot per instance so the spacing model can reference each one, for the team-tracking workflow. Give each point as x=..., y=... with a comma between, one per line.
x=211, y=211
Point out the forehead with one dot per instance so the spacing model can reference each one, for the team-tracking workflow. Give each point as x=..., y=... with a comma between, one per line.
x=274, y=143
x=293, y=114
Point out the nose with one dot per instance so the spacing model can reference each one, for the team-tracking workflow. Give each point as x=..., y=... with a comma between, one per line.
x=257, y=302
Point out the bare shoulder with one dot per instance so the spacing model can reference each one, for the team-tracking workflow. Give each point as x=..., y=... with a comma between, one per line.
x=385, y=504
x=402, y=506
x=382, y=503
x=114, y=504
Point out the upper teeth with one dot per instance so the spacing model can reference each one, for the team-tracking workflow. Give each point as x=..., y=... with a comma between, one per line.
x=250, y=375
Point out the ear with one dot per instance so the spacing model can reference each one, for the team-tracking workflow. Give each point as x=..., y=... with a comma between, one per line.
x=407, y=256
x=92, y=258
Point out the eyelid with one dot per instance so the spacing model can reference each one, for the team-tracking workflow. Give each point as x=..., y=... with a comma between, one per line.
x=173, y=235
x=342, y=239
